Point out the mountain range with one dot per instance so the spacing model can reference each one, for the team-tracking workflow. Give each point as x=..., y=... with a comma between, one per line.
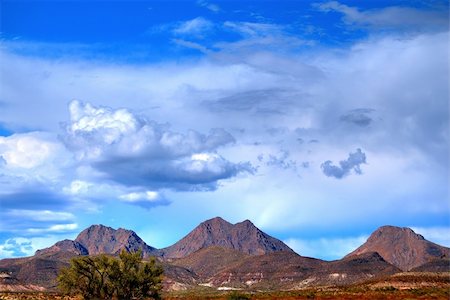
x=219, y=254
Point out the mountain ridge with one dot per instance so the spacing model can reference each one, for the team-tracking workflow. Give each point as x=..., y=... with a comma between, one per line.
x=219, y=254
x=243, y=236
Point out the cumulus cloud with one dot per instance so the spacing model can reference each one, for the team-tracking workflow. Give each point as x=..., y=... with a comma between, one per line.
x=132, y=150
x=353, y=162
x=31, y=151
x=396, y=17
x=146, y=199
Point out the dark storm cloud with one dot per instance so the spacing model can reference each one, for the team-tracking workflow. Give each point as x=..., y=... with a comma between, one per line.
x=392, y=17
x=360, y=117
x=353, y=162
x=32, y=199
x=282, y=160
x=35, y=209
x=268, y=101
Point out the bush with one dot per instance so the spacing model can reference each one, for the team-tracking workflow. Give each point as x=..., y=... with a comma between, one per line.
x=105, y=277
x=238, y=296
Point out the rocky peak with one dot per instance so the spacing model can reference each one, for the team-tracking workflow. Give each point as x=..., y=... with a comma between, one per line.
x=99, y=239
x=402, y=247
x=243, y=236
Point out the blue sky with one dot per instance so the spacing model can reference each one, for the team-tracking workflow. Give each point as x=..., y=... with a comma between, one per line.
x=317, y=120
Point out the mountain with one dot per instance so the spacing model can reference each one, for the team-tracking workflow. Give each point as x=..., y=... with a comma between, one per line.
x=98, y=239
x=64, y=246
x=402, y=247
x=221, y=255
x=244, y=237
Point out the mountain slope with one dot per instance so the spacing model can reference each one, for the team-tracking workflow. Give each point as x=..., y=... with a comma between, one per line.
x=284, y=270
x=64, y=246
x=208, y=261
x=243, y=236
x=402, y=247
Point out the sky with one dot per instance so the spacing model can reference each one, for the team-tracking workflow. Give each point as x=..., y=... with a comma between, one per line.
x=319, y=121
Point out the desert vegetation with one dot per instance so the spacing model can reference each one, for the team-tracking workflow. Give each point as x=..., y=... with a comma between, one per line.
x=107, y=277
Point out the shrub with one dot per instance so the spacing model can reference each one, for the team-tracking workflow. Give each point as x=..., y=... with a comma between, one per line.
x=105, y=277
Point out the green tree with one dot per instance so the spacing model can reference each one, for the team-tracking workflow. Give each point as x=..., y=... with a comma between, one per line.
x=105, y=277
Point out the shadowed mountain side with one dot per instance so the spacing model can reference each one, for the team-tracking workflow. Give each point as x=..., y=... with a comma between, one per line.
x=243, y=236
x=178, y=278
x=35, y=270
x=64, y=246
x=209, y=261
x=280, y=270
x=269, y=271
x=354, y=270
x=402, y=247
x=437, y=265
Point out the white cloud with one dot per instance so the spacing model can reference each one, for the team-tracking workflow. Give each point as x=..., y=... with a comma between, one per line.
x=211, y=6
x=56, y=228
x=196, y=27
x=150, y=196
x=254, y=29
x=78, y=187
x=192, y=45
x=326, y=248
x=28, y=150
x=134, y=151
x=40, y=215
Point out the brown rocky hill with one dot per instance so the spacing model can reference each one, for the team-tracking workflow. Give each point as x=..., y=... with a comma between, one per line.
x=244, y=237
x=275, y=270
x=402, y=247
x=282, y=270
x=98, y=239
